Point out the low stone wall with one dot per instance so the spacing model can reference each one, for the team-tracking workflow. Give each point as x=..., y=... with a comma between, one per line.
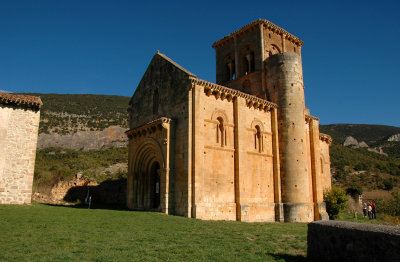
x=347, y=241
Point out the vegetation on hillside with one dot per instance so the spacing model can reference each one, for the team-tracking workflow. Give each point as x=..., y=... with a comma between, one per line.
x=369, y=133
x=66, y=114
x=359, y=168
x=55, y=164
x=374, y=135
x=50, y=233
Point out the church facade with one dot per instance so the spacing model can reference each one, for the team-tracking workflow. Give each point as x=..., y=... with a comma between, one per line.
x=245, y=148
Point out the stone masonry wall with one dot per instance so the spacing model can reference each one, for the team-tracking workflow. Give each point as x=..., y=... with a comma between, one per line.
x=18, y=139
x=347, y=241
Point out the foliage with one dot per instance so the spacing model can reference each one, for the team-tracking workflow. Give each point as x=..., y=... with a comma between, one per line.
x=55, y=164
x=65, y=114
x=391, y=206
x=50, y=233
x=354, y=190
x=363, y=169
x=335, y=200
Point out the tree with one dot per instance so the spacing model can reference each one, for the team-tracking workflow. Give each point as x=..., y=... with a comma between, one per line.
x=335, y=200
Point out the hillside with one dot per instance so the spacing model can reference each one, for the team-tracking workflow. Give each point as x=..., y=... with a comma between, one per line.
x=82, y=121
x=363, y=168
x=371, y=134
x=375, y=136
x=67, y=114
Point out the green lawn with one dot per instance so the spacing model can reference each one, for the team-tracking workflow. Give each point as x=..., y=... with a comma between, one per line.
x=49, y=233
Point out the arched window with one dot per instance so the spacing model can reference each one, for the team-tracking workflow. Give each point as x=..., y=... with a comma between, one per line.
x=229, y=69
x=248, y=61
x=221, y=132
x=258, y=141
x=155, y=101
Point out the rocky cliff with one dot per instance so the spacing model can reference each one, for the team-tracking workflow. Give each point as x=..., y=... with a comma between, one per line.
x=113, y=136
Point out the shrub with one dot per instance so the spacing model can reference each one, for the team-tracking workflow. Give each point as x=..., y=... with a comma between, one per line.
x=388, y=183
x=335, y=200
x=391, y=206
x=354, y=190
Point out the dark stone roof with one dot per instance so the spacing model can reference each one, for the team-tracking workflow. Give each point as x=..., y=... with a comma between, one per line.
x=20, y=100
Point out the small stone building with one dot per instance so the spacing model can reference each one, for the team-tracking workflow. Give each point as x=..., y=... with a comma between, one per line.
x=19, y=123
x=243, y=149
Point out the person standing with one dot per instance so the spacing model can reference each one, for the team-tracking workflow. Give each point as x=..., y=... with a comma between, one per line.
x=90, y=202
x=364, y=206
x=373, y=211
x=369, y=210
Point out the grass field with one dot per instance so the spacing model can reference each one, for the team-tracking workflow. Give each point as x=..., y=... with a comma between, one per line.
x=51, y=233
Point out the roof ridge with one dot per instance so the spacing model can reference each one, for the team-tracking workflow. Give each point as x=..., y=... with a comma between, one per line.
x=175, y=64
x=269, y=24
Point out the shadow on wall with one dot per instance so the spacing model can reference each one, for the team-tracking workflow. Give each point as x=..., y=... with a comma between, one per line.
x=109, y=193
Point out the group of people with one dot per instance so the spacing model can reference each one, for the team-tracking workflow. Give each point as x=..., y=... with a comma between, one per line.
x=369, y=209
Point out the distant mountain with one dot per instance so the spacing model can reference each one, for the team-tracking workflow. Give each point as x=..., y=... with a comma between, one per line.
x=378, y=137
x=67, y=114
x=370, y=134
x=82, y=121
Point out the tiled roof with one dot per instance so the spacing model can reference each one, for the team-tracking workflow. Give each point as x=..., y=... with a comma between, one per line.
x=20, y=100
x=253, y=24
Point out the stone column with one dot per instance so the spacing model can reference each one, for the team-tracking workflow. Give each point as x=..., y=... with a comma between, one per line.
x=197, y=147
x=283, y=43
x=164, y=190
x=276, y=166
x=318, y=196
x=284, y=74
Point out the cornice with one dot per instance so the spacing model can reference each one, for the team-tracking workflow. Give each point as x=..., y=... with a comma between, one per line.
x=251, y=26
x=224, y=92
x=309, y=118
x=150, y=127
x=326, y=138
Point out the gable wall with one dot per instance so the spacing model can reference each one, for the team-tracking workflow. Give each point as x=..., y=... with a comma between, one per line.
x=18, y=139
x=173, y=89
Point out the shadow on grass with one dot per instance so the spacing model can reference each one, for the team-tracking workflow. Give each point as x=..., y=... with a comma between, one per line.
x=286, y=257
x=110, y=194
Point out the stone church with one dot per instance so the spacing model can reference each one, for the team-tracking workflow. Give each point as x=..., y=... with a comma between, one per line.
x=243, y=149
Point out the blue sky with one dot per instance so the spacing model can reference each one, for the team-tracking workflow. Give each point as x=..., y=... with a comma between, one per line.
x=350, y=54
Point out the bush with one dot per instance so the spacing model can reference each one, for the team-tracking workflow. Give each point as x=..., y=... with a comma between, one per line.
x=335, y=200
x=388, y=183
x=389, y=207
x=354, y=190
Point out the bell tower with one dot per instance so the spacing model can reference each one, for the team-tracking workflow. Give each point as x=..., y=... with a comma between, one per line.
x=264, y=60
x=241, y=56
